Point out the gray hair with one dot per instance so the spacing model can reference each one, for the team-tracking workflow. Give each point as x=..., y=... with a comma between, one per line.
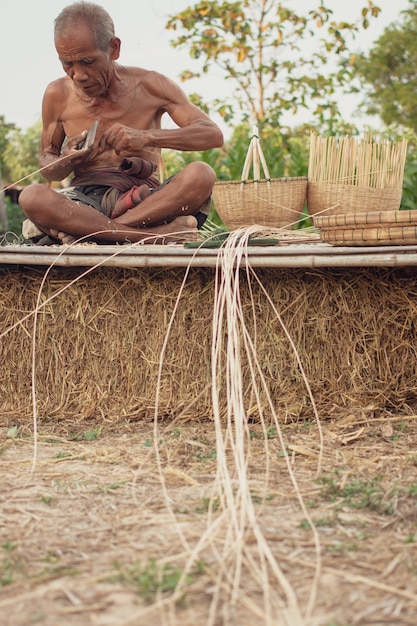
x=95, y=16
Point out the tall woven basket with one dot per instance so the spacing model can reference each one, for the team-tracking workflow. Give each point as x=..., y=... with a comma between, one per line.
x=349, y=176
x=273, y=203
x=333, y=199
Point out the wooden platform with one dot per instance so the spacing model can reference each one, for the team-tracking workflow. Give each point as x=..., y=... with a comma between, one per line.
x=285, y=256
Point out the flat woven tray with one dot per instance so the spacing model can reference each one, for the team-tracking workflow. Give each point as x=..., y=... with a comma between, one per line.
x=374, y=228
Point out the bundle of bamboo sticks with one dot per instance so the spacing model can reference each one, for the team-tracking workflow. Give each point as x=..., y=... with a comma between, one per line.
x=352, y=161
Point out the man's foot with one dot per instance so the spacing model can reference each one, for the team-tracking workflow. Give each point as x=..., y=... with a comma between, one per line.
x=181, y=229
x=64, y=237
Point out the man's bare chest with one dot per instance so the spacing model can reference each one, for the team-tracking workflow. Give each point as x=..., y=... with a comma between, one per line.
x=78, y=115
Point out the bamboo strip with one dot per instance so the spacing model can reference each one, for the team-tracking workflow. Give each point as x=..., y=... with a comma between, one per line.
x=363, y=162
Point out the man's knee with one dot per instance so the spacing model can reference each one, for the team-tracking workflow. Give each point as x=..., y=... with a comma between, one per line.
x=29, y=195
x=201, y=173
x=31, y=198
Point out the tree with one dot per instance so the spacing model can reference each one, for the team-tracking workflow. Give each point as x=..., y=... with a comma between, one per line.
x=5, y=132
x=389, y=72
x=257, y=46
x=21, y=153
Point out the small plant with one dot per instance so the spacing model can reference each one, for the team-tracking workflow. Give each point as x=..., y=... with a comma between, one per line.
x=412, y=490
x=150, y=580
x=206, y=505
x=340, y=547
x=114, y=486
x=359, y=494
x=271, y=433
x=6, y=572
x=323, y=522
x=89, y=435
x=8, y=564
x=402, y=427
x=63, y=454
x=48, y=500
x=211, y=455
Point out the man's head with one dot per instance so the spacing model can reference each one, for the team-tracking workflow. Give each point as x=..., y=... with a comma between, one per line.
x=98, y=20
x=87, y=47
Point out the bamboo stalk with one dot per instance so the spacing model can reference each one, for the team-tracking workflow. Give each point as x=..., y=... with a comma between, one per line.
x=349, y=161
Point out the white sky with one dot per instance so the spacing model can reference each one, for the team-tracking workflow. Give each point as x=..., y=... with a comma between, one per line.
x=28, y=61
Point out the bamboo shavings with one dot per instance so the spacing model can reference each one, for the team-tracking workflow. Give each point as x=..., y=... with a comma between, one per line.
x=362, y=162
x=229, y=525
x=234, y=518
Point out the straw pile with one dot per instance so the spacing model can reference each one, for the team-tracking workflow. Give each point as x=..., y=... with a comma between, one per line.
x=97, y=348
x=347, y=175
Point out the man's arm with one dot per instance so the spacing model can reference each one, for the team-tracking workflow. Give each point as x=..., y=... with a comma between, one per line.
x=196, y=131
x=59, y=164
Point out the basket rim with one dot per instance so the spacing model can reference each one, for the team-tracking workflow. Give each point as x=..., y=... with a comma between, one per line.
x=285, y=179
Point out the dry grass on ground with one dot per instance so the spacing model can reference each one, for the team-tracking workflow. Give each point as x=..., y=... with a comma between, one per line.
x=108, y=524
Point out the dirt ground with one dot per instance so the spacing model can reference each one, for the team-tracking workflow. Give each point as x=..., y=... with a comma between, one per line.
x=124, y=525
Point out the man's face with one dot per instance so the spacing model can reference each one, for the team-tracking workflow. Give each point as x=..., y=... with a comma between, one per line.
x=89, y=68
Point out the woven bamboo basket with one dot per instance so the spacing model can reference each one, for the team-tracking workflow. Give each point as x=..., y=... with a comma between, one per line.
x=376, y=228
x=273, y=203
x=349, y=175
x=333, y=199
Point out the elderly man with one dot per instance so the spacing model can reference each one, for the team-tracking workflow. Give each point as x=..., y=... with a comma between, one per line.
x=114, y=195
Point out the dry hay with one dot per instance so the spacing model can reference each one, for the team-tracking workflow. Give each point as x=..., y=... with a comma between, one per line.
x=99, y=339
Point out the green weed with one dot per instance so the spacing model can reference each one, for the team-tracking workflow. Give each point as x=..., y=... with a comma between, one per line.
x=206, y=505
x=8, y=564
x=88, y=435
x=48, y=500
x=114, y=486
x=413, y=490
x=359, y=494
x=211, y=455
x=63, y=454
x=271, y=432
x=150, y=580
x=340, y=547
